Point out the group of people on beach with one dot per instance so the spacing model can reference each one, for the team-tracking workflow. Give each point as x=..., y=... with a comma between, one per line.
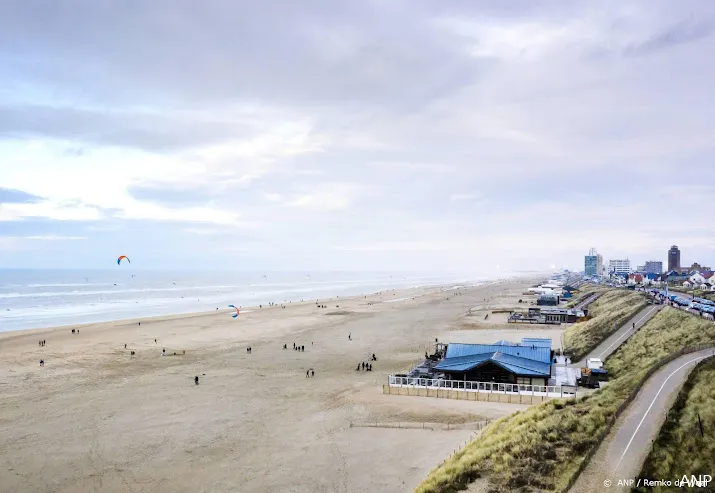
x=249, y=349
x=309, y=373
x=75, y=331
x=366, y=366
x=295, y=348
x=42, y=342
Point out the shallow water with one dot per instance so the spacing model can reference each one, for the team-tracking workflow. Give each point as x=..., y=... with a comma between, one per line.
x=48, y=298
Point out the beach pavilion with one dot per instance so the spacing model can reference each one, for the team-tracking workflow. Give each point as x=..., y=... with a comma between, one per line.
x=525, y=363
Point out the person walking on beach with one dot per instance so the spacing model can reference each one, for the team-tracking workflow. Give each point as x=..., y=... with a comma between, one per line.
x=302, y=348
x=350, y=336
x=312, y=373
x=154, y=341
x=125, y=346
x=196, y=379
x=42, y=362
x=307, y=373
x=163, y=352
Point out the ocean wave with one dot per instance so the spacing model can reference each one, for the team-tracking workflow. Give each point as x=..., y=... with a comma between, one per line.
x=295, y=286
x=46, y=294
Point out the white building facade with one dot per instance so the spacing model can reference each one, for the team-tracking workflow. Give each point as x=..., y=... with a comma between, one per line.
x=620, y=266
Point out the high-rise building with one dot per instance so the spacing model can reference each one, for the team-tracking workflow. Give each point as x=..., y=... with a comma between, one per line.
x=593, y=263
x=620, y=266
x=653, y=267
x=674, y=258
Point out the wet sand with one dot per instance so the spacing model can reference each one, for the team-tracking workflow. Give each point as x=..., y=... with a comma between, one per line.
x=96, y=419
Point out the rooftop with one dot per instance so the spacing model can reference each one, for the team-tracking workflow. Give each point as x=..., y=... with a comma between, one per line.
x=531, y=348
x=511, y=363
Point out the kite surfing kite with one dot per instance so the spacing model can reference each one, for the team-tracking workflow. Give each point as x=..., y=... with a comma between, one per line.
x=123, y=257
x=237, y=312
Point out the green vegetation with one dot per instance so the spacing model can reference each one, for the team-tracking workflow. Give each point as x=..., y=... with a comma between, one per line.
x=680, y=449
x=584, y=291
x=541, y=449
x=613, y=309
x=666, y=333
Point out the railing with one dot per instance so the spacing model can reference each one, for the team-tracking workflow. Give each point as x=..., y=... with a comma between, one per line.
x=483, y=387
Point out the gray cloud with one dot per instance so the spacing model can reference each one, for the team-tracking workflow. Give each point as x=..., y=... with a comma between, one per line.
x=542, y=111
x=681, y=33
x=10, y=196
x=314, y=52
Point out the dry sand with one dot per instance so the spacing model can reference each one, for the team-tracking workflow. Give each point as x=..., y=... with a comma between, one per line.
x=95, y=419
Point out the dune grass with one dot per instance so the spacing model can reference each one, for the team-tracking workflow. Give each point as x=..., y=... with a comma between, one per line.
x=613, y=309
x=540, y=449
x=582, y=293
x=667, y=332
x=680, y=449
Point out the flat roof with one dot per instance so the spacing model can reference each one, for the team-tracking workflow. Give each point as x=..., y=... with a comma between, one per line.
x=513, y=364
x=534, y=349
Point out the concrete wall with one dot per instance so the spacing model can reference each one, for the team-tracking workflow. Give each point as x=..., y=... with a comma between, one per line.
x=465, y=396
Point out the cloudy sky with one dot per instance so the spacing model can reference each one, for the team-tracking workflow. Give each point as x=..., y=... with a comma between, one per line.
x=387, y=134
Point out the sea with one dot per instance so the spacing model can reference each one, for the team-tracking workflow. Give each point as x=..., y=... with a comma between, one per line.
x=32, y=299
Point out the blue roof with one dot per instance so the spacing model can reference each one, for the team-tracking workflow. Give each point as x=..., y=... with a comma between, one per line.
x=513, y=364
x=535, y=341
x=531, y=351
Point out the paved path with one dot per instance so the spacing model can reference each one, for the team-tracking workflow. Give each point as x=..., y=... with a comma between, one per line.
x=607, y=347
x=622, y=453
x=587, y=302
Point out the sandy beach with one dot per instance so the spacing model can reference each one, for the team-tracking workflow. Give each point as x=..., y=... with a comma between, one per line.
x=95, y=418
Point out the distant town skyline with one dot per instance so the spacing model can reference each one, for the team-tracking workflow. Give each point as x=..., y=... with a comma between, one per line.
x=622, y=265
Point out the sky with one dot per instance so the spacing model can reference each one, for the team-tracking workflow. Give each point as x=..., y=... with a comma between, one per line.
x=447, y=135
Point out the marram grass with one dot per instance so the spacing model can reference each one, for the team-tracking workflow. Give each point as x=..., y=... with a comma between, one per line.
x=680, y=449
x=613, y=309
x=540, y=449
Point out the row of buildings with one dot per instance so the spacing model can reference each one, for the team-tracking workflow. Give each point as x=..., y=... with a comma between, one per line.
x=594, y=266
x=703, y=280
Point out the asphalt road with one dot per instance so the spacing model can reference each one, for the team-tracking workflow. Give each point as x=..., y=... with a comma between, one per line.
x=622, y=453
x=607, y=347
x=585, y=303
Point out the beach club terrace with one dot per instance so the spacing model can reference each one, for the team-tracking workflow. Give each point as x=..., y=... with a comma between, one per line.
x=507, y=368
x=528, y=363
